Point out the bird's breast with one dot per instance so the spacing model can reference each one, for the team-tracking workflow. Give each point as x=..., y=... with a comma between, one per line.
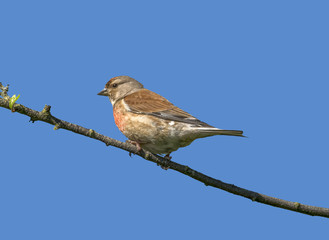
x=119, y=118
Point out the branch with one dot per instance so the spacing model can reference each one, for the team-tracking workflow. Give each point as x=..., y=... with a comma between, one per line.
x=46, y=116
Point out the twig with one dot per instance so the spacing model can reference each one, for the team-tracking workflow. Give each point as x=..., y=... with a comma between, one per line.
x=46, y=116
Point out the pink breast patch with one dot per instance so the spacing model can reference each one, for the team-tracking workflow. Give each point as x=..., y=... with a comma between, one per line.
x=118, y=119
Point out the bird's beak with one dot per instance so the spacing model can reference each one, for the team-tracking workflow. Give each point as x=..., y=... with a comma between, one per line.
x=103, y=92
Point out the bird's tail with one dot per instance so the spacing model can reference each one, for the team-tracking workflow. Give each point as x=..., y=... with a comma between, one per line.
x=205, y=132
x=230, y=132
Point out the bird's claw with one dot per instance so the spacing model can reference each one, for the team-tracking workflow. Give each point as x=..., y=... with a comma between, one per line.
x=168, y=157
x=138, y=146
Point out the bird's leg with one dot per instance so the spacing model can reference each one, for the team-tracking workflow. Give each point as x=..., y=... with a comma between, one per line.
x=168, y=157
x=139, y=148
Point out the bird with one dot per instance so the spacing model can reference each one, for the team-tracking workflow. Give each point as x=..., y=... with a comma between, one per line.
x=151, y=122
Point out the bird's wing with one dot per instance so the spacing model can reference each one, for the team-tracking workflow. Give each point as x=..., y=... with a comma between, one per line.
x=150, y=103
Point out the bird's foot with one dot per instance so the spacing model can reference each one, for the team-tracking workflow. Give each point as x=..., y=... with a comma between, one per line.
x=168, y=157
x=164, y=167
x=138, y=146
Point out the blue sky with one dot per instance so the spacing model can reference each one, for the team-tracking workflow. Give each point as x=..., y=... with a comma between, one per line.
x=259, y=66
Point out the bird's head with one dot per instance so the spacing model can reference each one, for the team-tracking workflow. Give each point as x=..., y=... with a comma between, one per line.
x=120, y=87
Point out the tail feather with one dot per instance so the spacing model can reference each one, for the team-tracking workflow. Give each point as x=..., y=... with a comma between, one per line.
x=230, y=132
x=216, y=131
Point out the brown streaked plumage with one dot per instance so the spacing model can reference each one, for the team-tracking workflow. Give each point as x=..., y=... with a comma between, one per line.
x=151, y=121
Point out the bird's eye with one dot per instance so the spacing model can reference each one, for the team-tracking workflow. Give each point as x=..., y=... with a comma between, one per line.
x=114, y=85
